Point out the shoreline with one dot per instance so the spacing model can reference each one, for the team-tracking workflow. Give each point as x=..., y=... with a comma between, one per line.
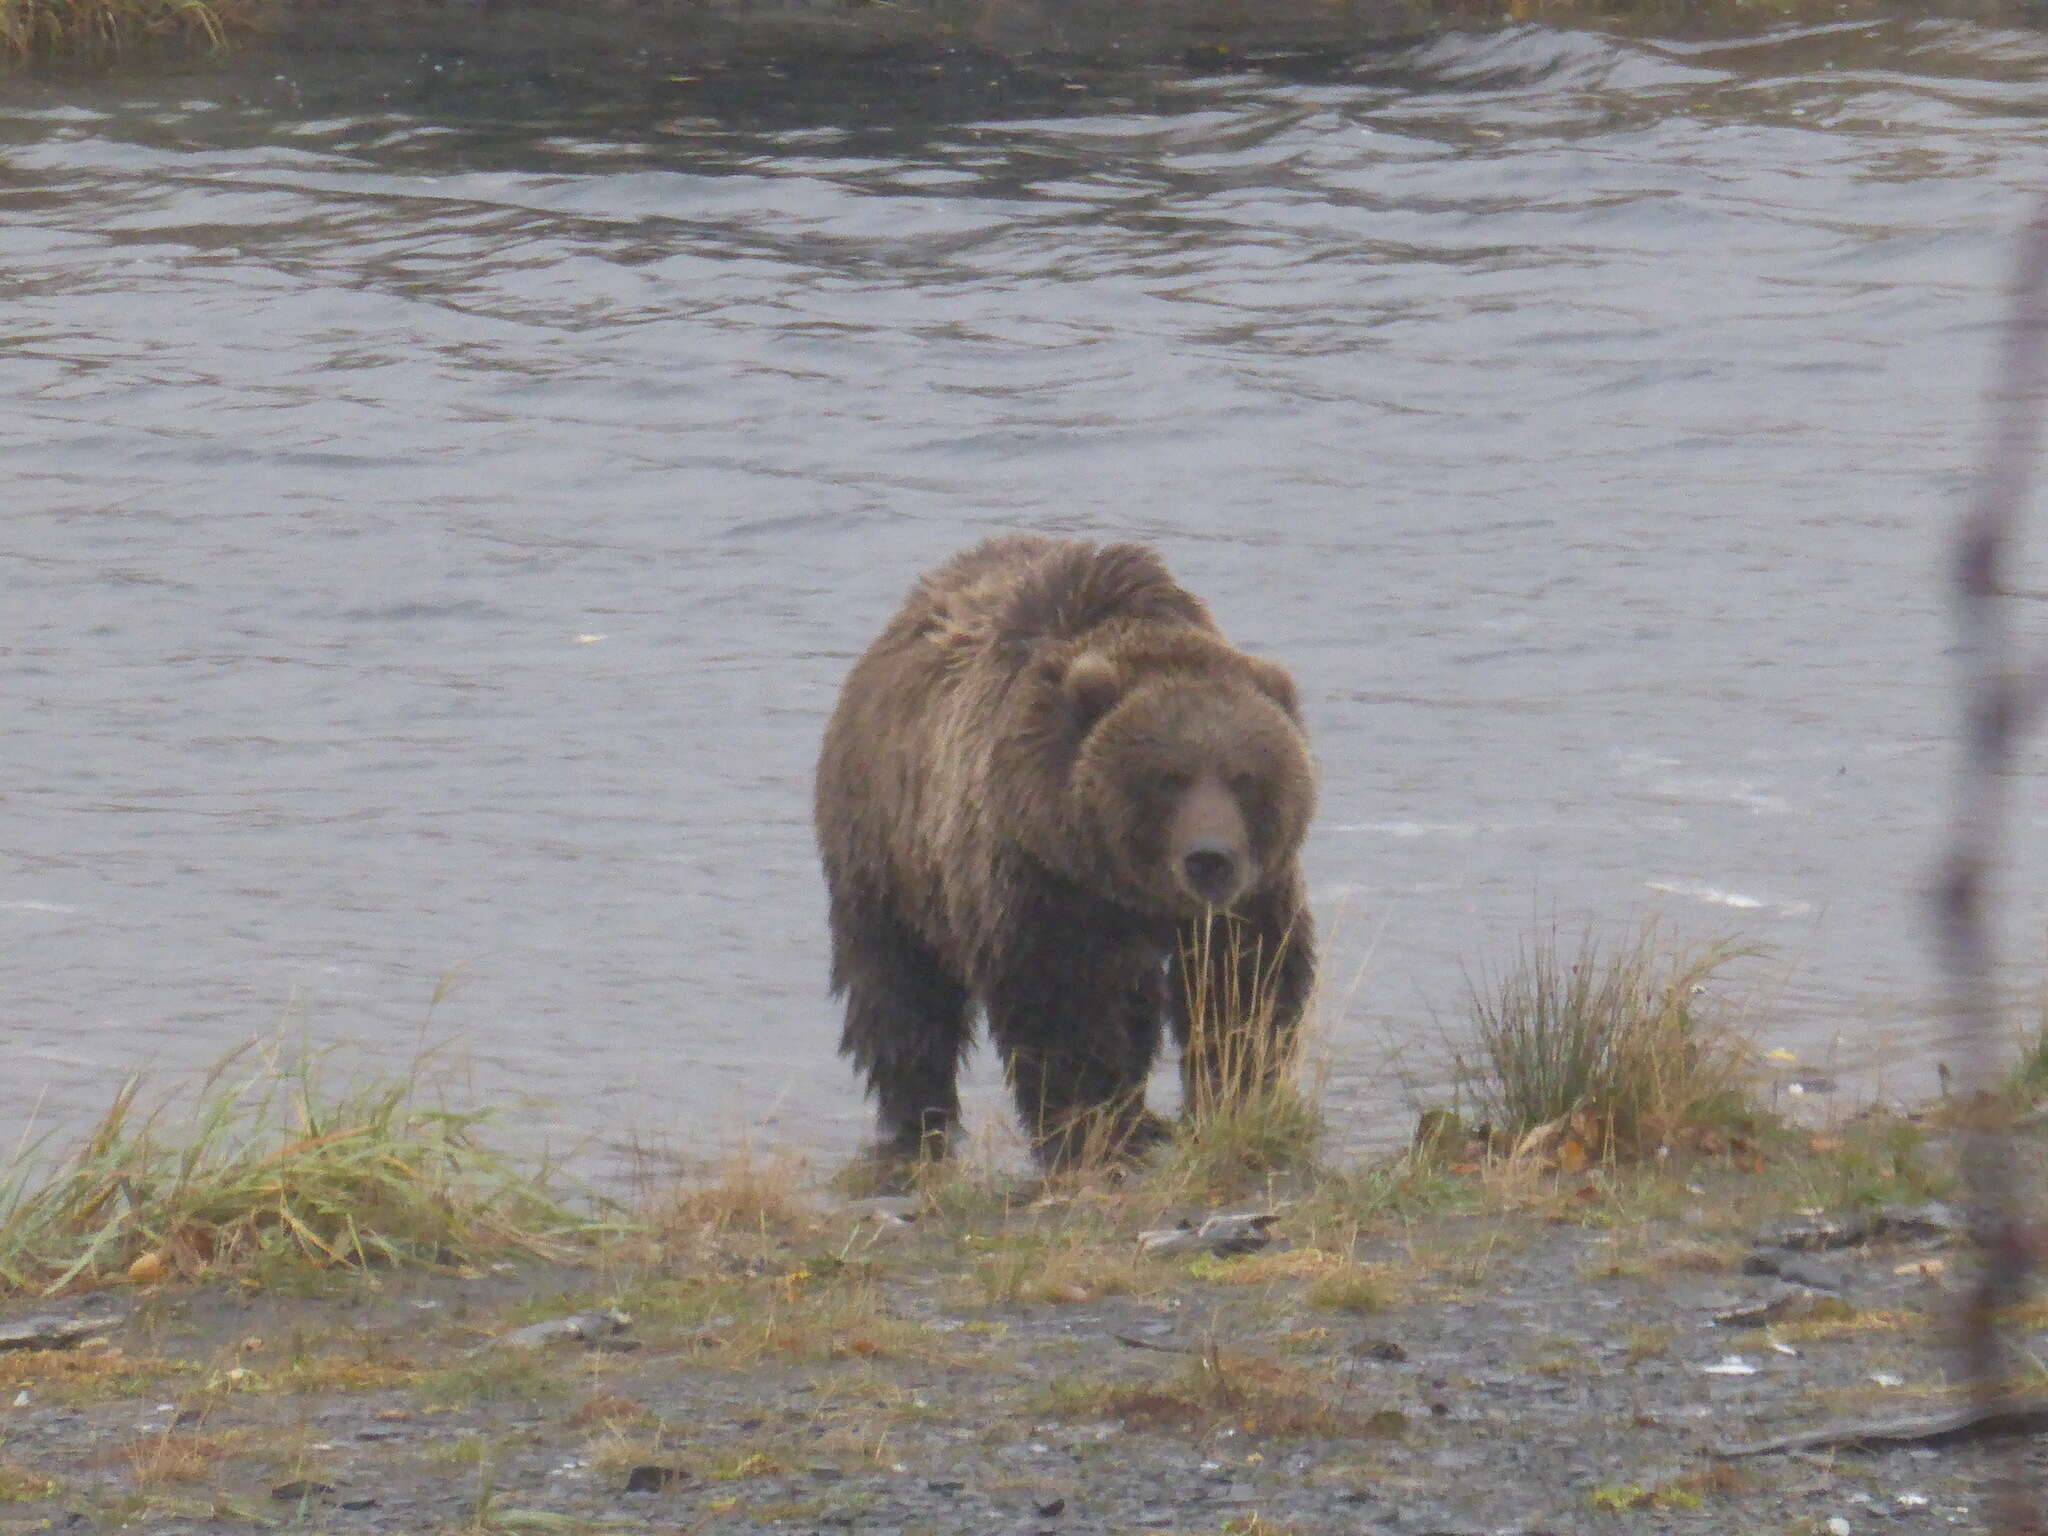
x=1425, y=1345
x=338, y=1306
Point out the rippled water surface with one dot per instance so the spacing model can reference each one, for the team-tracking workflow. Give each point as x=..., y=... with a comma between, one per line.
x=438, y=516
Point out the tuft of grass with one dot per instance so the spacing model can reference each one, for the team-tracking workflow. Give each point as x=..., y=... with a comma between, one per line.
x=1610, y=1053
x=269, y=1174
x=25, y=1485
x=2027, y=1082
x=1060, y=1269
x=1257, y=1396
x=174, y=1456
x=757, y=1196
x=1357, y=1288
x=745, y=1210
x=812, y=1319
x=1251, y=1112
x=498, y=1376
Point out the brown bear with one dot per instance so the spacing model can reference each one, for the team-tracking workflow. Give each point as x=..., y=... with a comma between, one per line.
x=1051, y=789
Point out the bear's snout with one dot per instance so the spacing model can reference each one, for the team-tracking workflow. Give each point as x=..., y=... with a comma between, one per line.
x=1211, y=859
x=1211, y=874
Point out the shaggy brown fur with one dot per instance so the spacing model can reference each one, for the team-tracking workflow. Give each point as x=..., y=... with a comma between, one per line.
x=1046, y=780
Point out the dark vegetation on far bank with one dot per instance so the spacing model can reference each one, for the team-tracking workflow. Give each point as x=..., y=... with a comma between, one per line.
x=52, y=30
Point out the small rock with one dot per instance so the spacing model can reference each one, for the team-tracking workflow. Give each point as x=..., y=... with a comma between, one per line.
x=1050, y=1508
x=652, y=1479
x=944, y=1485
x=593, y=1328
x=362, y=1503
x=1929, y=1221
x=1783, y=1305
x=1379, y=1349
x=1224, y=1236
x=51, y=1331
x=1807, y=1233
x=300, y=1489
x=889, y=1207
x=1728, y=1365
x=1837, y=1526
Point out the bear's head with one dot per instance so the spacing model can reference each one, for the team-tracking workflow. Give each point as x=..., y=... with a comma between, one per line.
x=1191, y=779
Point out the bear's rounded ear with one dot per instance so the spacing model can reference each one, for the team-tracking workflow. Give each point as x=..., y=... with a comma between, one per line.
x=1090, y=683
x=1273, y=681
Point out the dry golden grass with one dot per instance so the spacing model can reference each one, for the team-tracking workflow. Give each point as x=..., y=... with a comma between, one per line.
x=337, y=1373
x=1060, y=1268
x=1691, y=1491
x=173, y=1456
x=1268, y=1266
x=1607, y=1054
x=25, y=1485
x=269, y=1174
x=745, y=1200
x=838, y=1322
x=1251, y=1113
x=73, y=1378
x=1834, y=1318
x=1255, y=1395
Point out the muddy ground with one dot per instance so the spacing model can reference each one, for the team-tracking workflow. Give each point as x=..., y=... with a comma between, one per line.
x=1544, y=1361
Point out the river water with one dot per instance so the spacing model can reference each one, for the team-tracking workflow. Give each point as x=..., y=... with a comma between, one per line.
x=440, y=509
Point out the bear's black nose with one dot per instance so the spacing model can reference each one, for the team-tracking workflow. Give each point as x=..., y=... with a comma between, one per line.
x=1211, y=873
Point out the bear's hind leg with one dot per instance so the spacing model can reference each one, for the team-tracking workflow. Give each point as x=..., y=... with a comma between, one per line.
x=906, y=1030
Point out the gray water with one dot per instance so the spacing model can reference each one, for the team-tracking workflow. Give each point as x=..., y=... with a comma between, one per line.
x=439, y=511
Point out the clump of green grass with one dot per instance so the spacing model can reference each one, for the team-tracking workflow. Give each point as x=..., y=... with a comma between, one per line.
x=269, y=1172
x=1876, y=1160
x=1620, y=1047
x=2026, y=1083
x=1250, y=1110
x=49, y=27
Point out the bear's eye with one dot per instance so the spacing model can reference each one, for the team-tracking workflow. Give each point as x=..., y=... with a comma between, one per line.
x=1167, y=783
x=1242, y=784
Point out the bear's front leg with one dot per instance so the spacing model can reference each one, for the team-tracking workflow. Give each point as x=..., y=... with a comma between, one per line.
x=1078, y=1026
x=1240, y=984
